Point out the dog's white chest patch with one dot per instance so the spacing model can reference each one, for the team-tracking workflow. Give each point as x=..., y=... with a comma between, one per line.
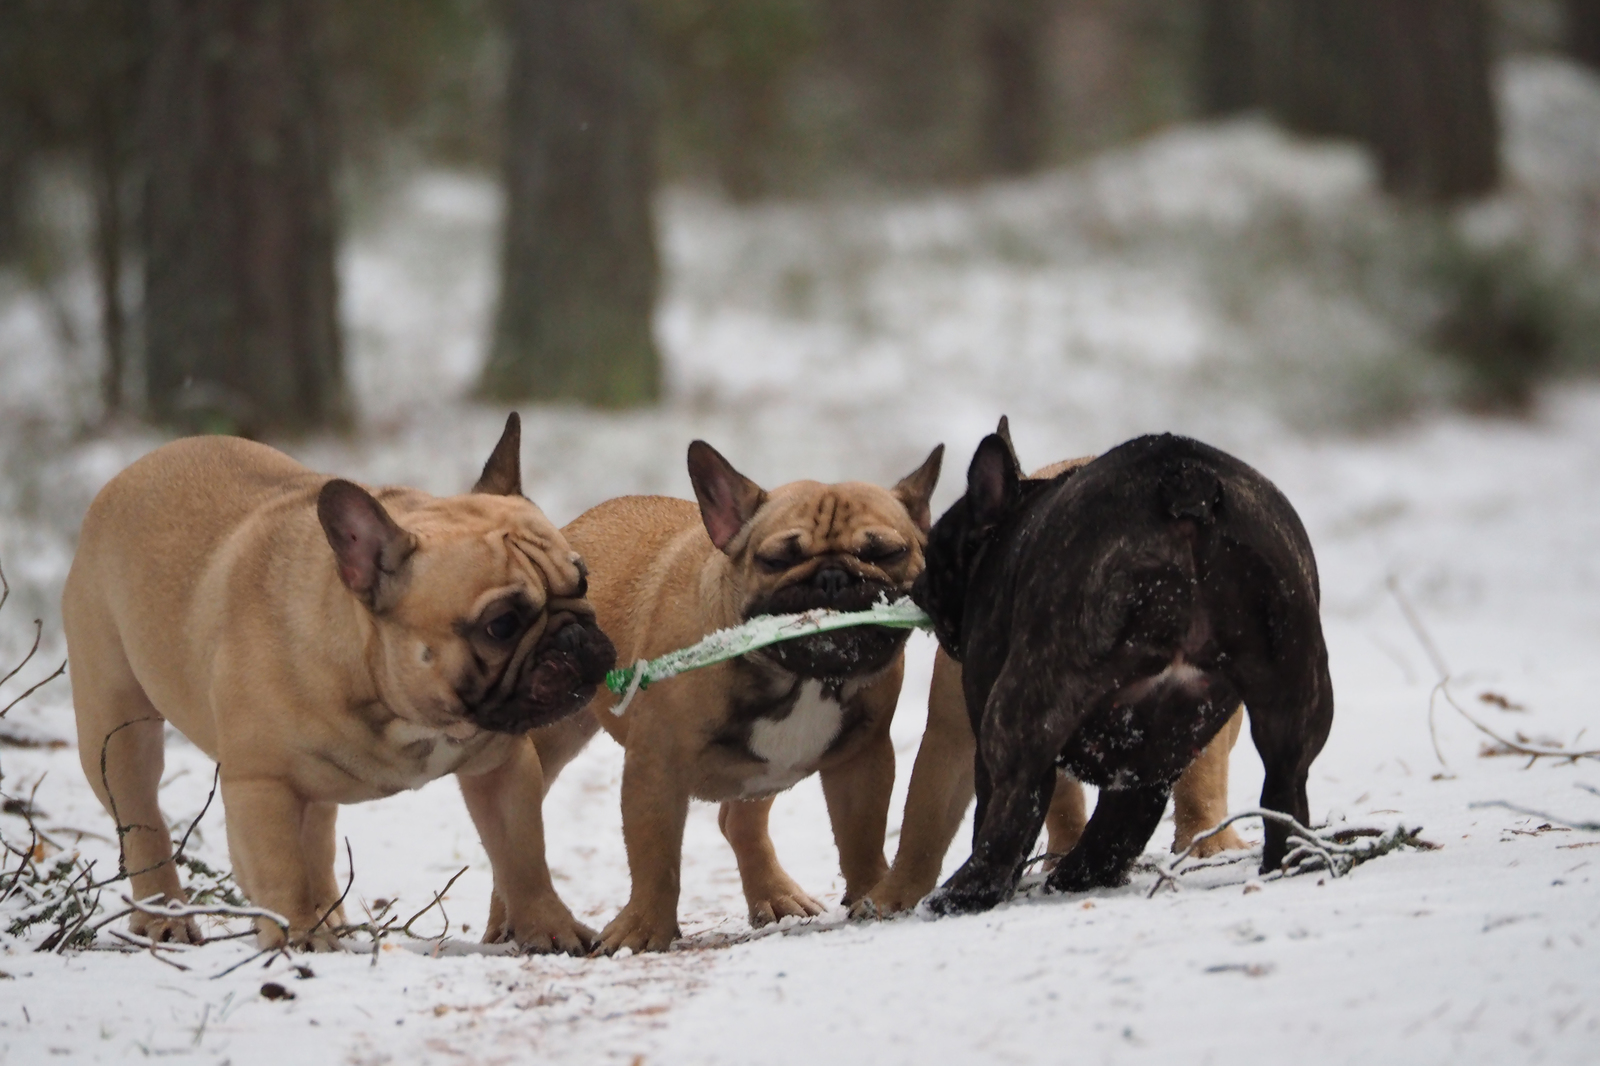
x=427, y=753
x=791, y=745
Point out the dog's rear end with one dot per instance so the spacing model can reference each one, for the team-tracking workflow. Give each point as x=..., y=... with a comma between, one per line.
x=1112, y=621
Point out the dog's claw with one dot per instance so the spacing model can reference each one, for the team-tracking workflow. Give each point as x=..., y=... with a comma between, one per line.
x=636, y=933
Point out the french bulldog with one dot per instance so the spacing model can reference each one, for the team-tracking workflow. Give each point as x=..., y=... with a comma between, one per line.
x=1110, y=621
x=325, y=644
x=667, y=572
x=941, y=787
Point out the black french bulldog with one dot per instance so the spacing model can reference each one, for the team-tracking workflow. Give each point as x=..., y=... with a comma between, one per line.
x=1109, y=621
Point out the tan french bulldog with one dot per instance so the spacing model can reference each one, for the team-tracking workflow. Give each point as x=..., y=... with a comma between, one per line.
x=666, y=573
x=325, y=645
x=941, y=789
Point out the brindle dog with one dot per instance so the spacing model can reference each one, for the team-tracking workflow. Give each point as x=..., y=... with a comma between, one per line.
x=1109, y=621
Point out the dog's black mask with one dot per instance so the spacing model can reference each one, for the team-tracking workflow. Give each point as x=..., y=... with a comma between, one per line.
x=843, y=653
x=556, y=678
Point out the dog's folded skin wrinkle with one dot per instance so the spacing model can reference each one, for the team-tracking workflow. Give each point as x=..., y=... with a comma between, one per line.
x=1109, y=622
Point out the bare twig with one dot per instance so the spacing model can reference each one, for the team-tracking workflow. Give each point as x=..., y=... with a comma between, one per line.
x=38, y=632
x=173, y=909
x=1442, y=688
x=34, y=688
x=150, y=946
x=1337, y=852
x=349, y=883
x=437, y=898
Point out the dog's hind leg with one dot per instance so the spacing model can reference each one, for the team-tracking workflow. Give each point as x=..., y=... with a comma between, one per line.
x=1289, y=726
x=1200, y=798
x=120, y=744
x=1122, y=824
x=770, y=892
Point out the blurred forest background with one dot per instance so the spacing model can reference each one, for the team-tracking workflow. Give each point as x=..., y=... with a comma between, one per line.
x=224, y=145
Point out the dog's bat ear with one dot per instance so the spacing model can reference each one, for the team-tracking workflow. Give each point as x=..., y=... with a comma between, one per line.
x=915, y=489
x=727, y=498
x=992, y=481
x=371, y=549
x=502, y=474
x=1003, y=431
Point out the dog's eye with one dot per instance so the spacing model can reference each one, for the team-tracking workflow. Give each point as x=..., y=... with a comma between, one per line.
x=503, y=626
x=882, y=553
x=774, y=564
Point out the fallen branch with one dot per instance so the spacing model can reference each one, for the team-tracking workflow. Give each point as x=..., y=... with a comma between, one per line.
x=1534, y=751
x=1337, y=852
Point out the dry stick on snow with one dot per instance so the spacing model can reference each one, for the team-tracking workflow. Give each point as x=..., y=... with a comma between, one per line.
x=438, y=897
x=1534, y=752
x=38, y=632
x=1338, y=852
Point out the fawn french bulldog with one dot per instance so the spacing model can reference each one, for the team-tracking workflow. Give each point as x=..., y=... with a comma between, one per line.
x=325, y=644
x=666, y=572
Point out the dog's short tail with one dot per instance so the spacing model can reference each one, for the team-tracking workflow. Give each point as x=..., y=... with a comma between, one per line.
x=1191, y=490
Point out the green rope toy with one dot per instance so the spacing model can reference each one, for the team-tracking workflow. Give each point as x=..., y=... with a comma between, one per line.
x=753, y=635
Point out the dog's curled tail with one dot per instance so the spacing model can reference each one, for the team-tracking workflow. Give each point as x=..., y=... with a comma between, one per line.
x=1191, y=490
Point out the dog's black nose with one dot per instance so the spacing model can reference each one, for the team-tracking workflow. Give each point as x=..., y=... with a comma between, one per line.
x=831, y=580
x=569, y=637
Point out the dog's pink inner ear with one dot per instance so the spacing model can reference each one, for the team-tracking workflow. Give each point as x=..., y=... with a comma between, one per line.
x=727, y=498
x=991, y=480
x=502, y=474
x=367, y=544
x=916, y=488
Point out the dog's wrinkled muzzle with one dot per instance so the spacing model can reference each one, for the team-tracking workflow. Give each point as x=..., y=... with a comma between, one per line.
x=557, y=679
x=842, y=653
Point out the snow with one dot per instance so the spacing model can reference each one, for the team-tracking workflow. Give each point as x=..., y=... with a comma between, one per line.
x=842, y=341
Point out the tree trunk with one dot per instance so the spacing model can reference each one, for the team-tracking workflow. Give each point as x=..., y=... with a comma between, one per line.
x=1583, y=31
x=1410, y=78
x=1012, y=42
x=1433, y=124
x=579, y=270
x=1228, y=79
x=240, y=289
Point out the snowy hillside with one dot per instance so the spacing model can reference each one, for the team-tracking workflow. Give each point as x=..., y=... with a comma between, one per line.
x=1180, y=284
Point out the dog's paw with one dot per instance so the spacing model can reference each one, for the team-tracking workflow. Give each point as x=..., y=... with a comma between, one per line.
x=544, y=930
x=1227, y=840
x=165, y=930
x=885, y=901
x=781, y=901
x=1076, y=875
x=636, y=930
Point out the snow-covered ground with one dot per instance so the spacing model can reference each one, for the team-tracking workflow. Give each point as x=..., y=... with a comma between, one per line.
x=1125, y=295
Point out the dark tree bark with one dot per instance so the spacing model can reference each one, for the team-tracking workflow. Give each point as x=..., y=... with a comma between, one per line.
x=1228, y=81
x=1408, y=77
x=579, y=269
x=1012, y=43
x=1583, y=31
x=240, y=288
x=116, y=40
x=1433, y=125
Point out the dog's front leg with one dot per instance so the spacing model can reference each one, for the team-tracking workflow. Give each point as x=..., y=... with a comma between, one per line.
x=769, y=890
x=506, y=806
x=266, y=821
x=655, y=804
x=937, y=798
x=1025, y=723
x=858, y=795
